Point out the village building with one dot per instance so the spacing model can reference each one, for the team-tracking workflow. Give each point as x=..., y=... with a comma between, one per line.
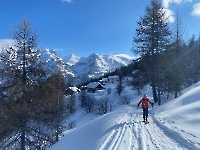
x=103, y=81
x=94, y=86
x=113, y=79
x=71, y=90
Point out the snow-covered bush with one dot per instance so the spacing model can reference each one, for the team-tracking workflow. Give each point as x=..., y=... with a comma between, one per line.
x=124, y=99
x=101, y=106
x=71, y=124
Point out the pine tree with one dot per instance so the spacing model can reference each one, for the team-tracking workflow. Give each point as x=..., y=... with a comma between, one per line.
x=151, y=39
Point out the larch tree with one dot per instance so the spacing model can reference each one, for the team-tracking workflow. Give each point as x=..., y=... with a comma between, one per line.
x=192, y=57
x=151, y=39
x=25, y=86
x=18, y=80
x=178, y=50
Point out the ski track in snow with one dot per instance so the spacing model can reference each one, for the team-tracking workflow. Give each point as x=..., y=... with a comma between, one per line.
x=132, y=134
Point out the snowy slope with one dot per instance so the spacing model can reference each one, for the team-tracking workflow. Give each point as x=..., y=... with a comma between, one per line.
x=183, y=114
x=173, y=125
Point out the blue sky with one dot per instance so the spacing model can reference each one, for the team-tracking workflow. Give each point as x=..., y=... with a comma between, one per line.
x=83, y=27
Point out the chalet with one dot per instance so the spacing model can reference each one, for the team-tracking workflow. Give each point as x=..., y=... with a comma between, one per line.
x=113, y=79
x=103, y=81
x=94, y=86
x=83, y=88
x=71, y=90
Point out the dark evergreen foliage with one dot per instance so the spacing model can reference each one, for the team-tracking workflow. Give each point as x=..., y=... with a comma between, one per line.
x=152, y=36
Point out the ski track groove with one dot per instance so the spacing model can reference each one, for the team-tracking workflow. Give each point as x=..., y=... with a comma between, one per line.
x=116, y=139
x=188, y=144
x=119, y=140
x=156, y=136
x=133, y=145
x=150, y=136
x=107, y=140
x=132, y=134
x=137, y=131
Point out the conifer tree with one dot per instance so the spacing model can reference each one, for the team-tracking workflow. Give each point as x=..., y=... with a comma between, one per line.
x=17, y=62
x=151, y=39
x=178, y=50
x=23, y=88
x=192, y=57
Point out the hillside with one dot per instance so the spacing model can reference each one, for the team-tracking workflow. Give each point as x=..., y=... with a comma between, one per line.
x=173, y=125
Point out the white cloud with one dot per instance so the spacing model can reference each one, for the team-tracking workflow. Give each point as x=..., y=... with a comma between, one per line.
x=68, y=1
x=6, y=43
x=196, y=9
x=170, y=13
x=167, y=2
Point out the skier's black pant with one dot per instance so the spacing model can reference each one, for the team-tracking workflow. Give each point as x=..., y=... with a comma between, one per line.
x=145, y=113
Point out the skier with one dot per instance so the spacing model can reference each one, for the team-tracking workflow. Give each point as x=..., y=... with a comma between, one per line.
x=145, y=100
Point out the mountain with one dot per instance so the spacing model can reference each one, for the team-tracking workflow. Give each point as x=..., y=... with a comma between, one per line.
x=71, y=59
x=78, y=69
x=96, y=65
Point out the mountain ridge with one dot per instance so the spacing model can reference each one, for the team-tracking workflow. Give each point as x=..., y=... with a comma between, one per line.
x=96, y=65
x=78, y=69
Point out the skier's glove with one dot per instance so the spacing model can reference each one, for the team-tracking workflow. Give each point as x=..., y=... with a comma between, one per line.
x=152, y=104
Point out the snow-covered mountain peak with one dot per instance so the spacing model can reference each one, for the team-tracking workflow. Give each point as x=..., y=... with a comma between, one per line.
x=97, y=65
x=79, y=69
x=71, y=59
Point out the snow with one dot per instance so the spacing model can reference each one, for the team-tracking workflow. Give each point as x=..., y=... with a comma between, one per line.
x=173, y=125
x=71, y=59
x=74, y=88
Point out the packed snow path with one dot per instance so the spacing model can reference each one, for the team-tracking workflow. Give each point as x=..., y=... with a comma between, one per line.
x=123, y=129
x=132, y=134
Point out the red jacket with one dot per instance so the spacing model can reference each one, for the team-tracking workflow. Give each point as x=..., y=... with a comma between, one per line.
x=144, y=102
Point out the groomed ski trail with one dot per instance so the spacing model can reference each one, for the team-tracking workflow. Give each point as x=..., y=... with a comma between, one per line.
x=132, y=134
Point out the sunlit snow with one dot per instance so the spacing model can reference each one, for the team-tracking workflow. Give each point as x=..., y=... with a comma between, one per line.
x=173, y=125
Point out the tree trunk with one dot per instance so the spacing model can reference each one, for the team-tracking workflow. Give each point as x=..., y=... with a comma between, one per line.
x=154, y=92
x=23, y=135
x=159, y=99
